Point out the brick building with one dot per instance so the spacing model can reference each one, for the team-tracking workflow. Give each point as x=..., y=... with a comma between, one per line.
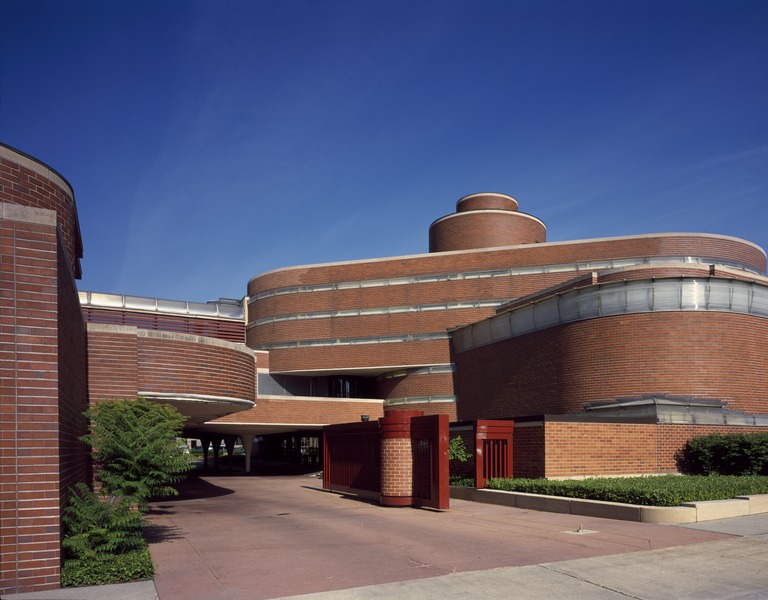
x=608, y=353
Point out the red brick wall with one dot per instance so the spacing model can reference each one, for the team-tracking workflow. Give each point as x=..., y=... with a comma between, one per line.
x=233, y=331
x=428, y=408
x=415, y=384
x=559, y=370
x=365, y=326
x=360, y=355
x=396, y=468
x=423, y=353
x=42, y=384
x=528, y=450
x=480, y=229
x=112, y=363
x=125, y=360
x=652, y=245
x=486, y=201
x=566, y=449
x=74, y=457
x=306, y=412
x=28, y=182
x=195, y=365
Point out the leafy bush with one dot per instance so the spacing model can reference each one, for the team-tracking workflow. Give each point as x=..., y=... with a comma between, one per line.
x=97, y=528
x=120, y=568
x=731, y=454
x=665, y=490
x=459, y=481
x=457, y=450
x=134, y=444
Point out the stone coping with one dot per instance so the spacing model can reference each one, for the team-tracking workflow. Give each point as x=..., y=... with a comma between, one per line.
x=689, y=512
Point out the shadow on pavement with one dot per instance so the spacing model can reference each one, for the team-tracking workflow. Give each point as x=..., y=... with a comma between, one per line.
x=259, y=468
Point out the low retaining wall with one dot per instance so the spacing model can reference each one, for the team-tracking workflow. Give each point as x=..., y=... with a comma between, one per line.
x=689, y=512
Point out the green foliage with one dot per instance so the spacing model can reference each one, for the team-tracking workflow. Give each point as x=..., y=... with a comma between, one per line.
x=460, y=481
x=458, y=451
x=97, y=528
x=134, y=444
x=121, y=568
x=732, y=454
x=665, y=490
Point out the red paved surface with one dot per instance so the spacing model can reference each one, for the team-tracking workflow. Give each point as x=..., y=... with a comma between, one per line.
x=266, y=537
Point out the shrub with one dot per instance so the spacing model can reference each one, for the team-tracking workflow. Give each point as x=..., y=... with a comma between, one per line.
x=731, y=454
x=97, y=527
x=459, y=481
x=103, y=541
x=134, y=444
x=457, y=450
x=665, y=490
x=120, y=568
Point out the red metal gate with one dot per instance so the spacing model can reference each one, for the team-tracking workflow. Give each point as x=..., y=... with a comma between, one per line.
x=353, y=459
x=429, y=444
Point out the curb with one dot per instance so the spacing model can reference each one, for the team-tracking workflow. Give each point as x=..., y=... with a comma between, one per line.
x=689, y=512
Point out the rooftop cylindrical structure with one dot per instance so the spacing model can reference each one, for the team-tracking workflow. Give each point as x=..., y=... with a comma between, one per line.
x=486, y=220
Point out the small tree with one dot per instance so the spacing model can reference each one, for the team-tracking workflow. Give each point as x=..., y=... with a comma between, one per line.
x=134, y=443
x=457, y=450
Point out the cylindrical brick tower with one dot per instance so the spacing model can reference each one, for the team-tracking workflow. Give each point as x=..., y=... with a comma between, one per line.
x=486, y=220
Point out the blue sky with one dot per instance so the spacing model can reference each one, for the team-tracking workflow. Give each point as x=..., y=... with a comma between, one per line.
x=209, y=141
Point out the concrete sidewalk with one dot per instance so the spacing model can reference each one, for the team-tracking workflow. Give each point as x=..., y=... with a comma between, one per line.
x=734, y=568
x=228, y=538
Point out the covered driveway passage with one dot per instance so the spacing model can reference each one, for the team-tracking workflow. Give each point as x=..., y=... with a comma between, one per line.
x=230, y=537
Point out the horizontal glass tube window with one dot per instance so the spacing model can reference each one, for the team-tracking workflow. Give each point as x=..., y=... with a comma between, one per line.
x=559, y=268
x=383, y=310
x=619, y=298
x=419, y=400
x=391, y=339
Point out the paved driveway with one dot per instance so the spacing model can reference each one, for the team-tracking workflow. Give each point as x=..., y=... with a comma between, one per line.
x=234, y=537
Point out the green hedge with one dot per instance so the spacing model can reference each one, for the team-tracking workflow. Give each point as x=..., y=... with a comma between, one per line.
x=664, y=490
x=731, y=454
x=101, y=570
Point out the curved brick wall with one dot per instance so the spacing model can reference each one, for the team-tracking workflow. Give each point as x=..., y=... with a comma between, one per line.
x=124, y=361
x=27, y=181
x=485, y=229
x=556, y=253
x=440, y=290
x=363, y=326
x=415, y=384
x=486, y=201
x=433, y=408
x=559, y=370
x=359, y=356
